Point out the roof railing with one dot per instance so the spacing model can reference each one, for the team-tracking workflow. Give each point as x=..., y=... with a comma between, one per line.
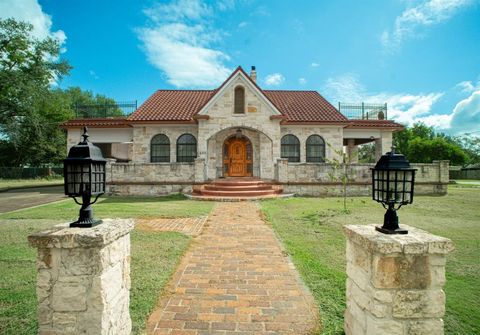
x=363, y=111
x=110, y=109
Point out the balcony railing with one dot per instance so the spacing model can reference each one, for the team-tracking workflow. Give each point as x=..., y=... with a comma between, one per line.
x=106, y=110
x=363, y=111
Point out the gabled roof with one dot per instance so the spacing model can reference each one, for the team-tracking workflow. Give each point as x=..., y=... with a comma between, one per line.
x=183, y=105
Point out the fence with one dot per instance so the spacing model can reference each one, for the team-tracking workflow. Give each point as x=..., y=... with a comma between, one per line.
x=363, y=111
x=29, y=172
x=103, y=110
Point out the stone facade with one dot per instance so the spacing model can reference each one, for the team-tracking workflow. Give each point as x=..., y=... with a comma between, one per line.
x=395, y=282
x=83, y=279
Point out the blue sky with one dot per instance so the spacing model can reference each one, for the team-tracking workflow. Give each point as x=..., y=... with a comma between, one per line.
x=422, y=57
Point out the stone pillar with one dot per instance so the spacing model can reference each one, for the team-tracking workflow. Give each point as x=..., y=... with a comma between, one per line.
x=352, y=151
x=383, y=144
x=199, y=170
x=282, y=170
x=394, y=284
x=83, y=279
x=443, y=171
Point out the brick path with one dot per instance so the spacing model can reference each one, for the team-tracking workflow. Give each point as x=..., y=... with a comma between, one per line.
x=235, y=280
x=188, y=226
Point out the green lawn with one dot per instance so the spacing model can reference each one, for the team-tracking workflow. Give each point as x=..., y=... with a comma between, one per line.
x=119, y=207
x=6, y=184
x=154, y=255
x=311, y=231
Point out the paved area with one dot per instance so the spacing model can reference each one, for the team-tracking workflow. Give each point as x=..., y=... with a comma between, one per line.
x=188, y=226
x=235, y=279
x=28, y=197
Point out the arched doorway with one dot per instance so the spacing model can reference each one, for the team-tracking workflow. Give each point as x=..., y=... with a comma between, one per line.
x=237, y=157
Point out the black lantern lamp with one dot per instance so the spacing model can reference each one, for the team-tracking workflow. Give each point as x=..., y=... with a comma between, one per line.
x=392, y=185
x=84, y=175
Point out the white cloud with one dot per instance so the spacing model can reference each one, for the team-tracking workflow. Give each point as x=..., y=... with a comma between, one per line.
x=274, y=79
x=224, y=5
x=466, y=114
x=93, y=74
x=314, y=64
x=302, y=81
x=413, y=19
x=180, y=44
x=243, y=24
x=405, y=108
x=31, y=11
x=468, y=86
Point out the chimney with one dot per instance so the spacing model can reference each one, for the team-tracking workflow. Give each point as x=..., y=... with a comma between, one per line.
x=253, y=74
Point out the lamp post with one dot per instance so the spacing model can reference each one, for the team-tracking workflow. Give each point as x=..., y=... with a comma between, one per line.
x=392, y=185
x=84, y=176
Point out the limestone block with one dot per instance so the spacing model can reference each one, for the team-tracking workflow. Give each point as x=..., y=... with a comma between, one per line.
x=405, y=271
x=426, y=327
x=381, y=326
x=69, y=297
x=419, y=304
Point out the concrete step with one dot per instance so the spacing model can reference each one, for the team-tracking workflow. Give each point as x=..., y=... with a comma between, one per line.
x=222, y=187
x=252, y=193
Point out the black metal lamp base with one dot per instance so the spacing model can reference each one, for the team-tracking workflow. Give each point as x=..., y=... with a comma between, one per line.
x=85, y=219
x=391, y=232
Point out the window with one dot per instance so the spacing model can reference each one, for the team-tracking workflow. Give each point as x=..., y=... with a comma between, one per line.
x=160, y=149
x=290, y=148
x=239, y=100
x=315, y=149
x=186, y=148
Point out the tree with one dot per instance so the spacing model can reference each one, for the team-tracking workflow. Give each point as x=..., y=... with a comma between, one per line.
x=421, y=144
x=29, y=111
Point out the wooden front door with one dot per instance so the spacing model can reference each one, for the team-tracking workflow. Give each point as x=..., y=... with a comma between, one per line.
x=236, y=157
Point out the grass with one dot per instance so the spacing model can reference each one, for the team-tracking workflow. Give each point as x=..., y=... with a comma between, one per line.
x=311, y=231
x=7, y=184
x=155, y=255
x=175, y=205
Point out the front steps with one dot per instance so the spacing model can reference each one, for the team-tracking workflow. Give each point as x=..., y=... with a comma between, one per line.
x=237, y=189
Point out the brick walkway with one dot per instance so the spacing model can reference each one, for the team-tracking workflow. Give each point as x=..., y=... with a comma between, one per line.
x=188, y=226
x=235, y=280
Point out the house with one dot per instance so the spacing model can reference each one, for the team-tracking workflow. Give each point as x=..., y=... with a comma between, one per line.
x=181, y=138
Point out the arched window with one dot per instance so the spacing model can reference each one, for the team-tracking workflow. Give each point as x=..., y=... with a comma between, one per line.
x=315, y=149
x=239, y=100
x=160, y=149
x=290, y=148
x=186, y=148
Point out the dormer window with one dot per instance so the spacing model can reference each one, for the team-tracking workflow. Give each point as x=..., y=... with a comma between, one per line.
x=239, y=107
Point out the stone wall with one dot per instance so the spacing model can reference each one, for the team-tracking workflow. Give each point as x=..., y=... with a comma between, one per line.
x=149, y=178
x=394, y=284
x=332, y=135
x=318, y=179
x=143, y=134
x=83, y=279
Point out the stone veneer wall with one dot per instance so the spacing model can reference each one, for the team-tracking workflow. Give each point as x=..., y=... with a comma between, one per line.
x=316, y=179
x=394, y=282
x=149, y=178
x=83, y=279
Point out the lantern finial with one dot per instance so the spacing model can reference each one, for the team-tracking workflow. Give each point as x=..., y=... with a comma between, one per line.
x=392, y=152
x=85, y=134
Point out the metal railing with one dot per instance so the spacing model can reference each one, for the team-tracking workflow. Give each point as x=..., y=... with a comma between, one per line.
x=363, y=111
x=106, y=110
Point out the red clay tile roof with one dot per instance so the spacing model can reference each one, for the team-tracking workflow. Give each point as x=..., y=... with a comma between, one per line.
x=304, y=106
x=96, y=123
x=172, y=105
x=182, y=105
x=374, y=124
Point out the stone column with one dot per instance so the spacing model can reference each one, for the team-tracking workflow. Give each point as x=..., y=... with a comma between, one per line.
x=394, y=284
x=282, y=170
x=83, y=279
x=352, y=151
x=383, y=144
x=199, y=170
